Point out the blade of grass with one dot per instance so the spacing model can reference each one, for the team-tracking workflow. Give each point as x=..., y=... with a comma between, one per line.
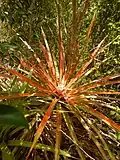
x=89, y=29
x=58, y=134
x=99, y=147
x=97, y=132
x=61, y=48
x=18, y=95
x=74, y=22
x=96, y=67
x=99, y=115
x=85, y=46
x=6, y=153
x=4, y=75
x=37, y=72
x=77, y=17
x=42, y=125
x=97, y=103
x=50, y=59
x=71, y=70
x=70, y=56
x=94, y=112
x=81, y=71
x=84, y=120
x=24, y=85
x=99, y=82
x=103, y=97
x=102, y=92
x=37, y=146
x=29, y=81
x=61, y=61
x=77, y=145
x=93, y=137
x=80, y=14
x=26, y=44
x=73, y=135
x=101, y=138
x=45, y=74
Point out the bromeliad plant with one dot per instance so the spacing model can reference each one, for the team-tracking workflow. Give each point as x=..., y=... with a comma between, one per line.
x=63, y=83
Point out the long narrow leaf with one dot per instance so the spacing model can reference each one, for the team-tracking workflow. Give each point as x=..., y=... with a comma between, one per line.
x=84, y=120
x=71, y=70
x=42, y=125
x=61, y=61
x=50, y=59
x=99, y=147
x=101, y=116
x=81, y=71
x=94, y=112
x=103, y=97
x=37, y=146
x=47, y=78
x=100, y=82
x=90, y=28
x=61, y=48
x=4, y=75
x=18, y=95
x=29, y=81
x=37, y=72
x=6, y=153
x=73, y=135
x=102, y=92
x=58, y=135
x=101, y=138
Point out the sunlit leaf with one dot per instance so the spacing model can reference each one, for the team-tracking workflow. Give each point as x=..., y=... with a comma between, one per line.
x=42, y=125
x=37, y=146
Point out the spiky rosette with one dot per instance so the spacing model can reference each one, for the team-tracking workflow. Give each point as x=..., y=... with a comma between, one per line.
x=65, y=88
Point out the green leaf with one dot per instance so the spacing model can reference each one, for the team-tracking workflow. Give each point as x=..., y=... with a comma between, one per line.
x=73, y=135
x=11, y=116
x=37, y=146
x=6, y=154
x=112, y=113
x=118, y=135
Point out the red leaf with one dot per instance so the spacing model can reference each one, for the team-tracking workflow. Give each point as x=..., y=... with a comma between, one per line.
x=42, y=125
